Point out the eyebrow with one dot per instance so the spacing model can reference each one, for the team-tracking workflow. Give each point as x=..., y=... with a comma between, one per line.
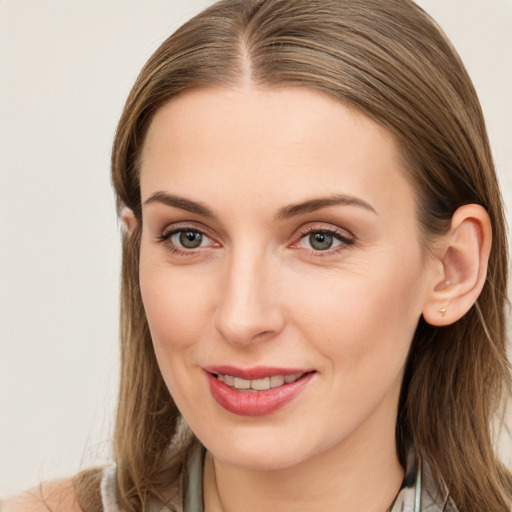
x=288, y=211
x=313, y=205
x=180, y=202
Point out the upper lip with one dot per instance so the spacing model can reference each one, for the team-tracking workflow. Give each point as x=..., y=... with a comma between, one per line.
x=257, y=372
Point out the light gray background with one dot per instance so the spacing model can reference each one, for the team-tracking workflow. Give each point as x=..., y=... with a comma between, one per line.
x=65, y=70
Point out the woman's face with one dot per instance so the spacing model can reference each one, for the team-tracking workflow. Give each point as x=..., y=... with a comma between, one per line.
x=279, y=242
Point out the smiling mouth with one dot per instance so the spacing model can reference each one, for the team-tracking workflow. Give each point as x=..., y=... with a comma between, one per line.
x=263, y=384
x=256, y=391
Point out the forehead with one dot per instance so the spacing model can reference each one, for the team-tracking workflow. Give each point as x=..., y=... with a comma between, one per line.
x=297, y=141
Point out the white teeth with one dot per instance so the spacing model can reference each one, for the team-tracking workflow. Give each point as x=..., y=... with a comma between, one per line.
x=242, y=383
x=258, y=384
x=276, y=381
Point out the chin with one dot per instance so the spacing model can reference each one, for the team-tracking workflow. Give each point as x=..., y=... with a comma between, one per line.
x=259, y=458
x=263, y=449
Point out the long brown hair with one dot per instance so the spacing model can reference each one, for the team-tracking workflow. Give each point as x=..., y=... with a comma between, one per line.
x=389, y=60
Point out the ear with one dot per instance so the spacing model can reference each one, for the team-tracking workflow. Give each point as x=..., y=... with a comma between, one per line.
x=129, y=220
x=461, y=263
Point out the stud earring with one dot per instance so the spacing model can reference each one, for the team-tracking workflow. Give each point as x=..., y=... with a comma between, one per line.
x=443, y=311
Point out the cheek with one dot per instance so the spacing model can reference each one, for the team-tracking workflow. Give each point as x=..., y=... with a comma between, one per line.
x=365, y=321
x=175, y=305
x=176, y=310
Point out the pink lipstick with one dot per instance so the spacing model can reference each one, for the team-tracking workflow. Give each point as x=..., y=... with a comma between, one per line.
x=256, y=391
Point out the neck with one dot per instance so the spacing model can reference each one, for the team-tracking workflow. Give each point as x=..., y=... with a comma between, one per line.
x=338, y=480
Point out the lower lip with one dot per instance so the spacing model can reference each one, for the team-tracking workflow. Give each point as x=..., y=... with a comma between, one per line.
x=259, y=403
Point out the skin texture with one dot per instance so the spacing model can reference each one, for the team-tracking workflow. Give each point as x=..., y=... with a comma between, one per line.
x=56, y=496
x=254, y=293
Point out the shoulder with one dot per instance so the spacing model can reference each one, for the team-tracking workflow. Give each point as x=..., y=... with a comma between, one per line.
x=57, y=496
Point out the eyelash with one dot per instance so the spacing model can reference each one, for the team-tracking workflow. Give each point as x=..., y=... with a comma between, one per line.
x=168, y=233
x=345, y=239
x=341, y=236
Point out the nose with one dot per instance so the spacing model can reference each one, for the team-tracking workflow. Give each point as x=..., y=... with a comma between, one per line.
x=249, y=309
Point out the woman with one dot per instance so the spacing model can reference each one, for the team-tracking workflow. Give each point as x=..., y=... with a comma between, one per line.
x=314, y=271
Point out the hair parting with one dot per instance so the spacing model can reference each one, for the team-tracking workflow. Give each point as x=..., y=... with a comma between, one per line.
x=388, y=60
